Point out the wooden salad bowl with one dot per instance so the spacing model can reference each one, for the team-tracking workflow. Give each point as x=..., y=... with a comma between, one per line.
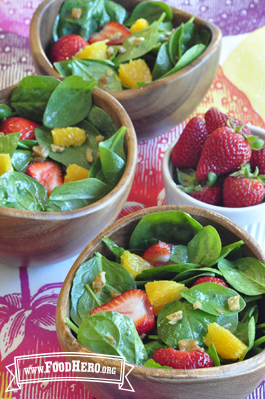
x=231, y=381
x=154, y=108
x=41, y=238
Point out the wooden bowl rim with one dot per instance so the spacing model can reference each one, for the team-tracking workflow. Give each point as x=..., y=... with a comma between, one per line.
x=226, y=371
x=42, y=59
x=127, y=177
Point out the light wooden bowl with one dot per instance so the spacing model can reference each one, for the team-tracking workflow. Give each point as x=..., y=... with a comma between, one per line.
x=233, y=381
x=154, y=108
x=42, y=238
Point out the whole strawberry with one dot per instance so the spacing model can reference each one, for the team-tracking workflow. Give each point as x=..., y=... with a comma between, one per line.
x=210, y=195
x=215, y=119
x=196, y=359
x=17, y=124
x=257, y=160
x=224, y=151
x=243, y=188
x=66, y=47
x=186, y=152
x=209, y=279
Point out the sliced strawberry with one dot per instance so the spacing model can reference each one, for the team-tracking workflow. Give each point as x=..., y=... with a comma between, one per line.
x=134, y=304
x=196, y=359
x=17, y=124
x=158, y=254
x=115, y=32
x=66, y=47
x=209, y=279
x=49, y=174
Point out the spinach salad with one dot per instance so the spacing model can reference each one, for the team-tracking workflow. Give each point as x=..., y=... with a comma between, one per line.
x=197, y=251
x=59, y=104
x=164, y=48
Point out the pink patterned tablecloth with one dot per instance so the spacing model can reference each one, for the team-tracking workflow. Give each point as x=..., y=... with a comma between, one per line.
x=28, y=297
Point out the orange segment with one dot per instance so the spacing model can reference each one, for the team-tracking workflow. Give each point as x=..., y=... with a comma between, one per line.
x=64, y=137
x=75, y=173
x=162, y=292
x=140, y=24
x=227, y=345
x=97, y=50
x=134, y=263
x=5, y=164
x=134, y=71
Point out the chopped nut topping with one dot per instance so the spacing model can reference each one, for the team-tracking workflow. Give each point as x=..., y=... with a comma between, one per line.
x=76, y=13
x=122, y=50
x=57, y=148
x=103, y=82
x=115, y=36
x=111, y=339
x=89, y=156
x=114, y=294
x=189, y=344
x=220, y=311
x=2, y=134
x=137, y=41
x=197, y=305
x=99, y=138
x=38, y=159
x=98, y=154
x=175, y=317
x=40, y=151
x=142, y=336
x=99, y=282
x=109, y=72
x=110, y=51
x=233, y=303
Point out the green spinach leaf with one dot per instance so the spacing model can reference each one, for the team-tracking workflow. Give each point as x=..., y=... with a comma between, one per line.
x=8, y=143
x=21, y=159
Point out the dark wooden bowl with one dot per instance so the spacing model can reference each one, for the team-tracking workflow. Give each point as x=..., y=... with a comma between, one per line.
x=233, y=381
x=154, y=108
x=42, y=238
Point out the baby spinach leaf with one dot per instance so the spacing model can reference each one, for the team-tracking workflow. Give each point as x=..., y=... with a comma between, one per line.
x=117, y=279
x=31, y=96
x=193, y=325
x=174, y=227
x=20, y=191
x=213, y=298
x=246, y=275
x=205, y=247
x=226, y=251
x=149, y=10
x=251, y=310
x=5, y=111
x=152, y=346
x=190, y=280
x=190, y=55
x=71, y=155
x=8, y=143
x=150, y=36
x=152, y=363
x=91, y=70
x=112, y=333
x=102, y=121
x=115, y=249
x=72, y=93
x=77, y=194
x=187, y=38
x=173, y=46
x=163, y=63
x=214, y=355
x=166, y=272
x=21, y=159
x=26, y=144
x=195, y=273
x=179, y=254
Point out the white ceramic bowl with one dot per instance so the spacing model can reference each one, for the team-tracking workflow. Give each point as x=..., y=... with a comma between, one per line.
x=252, y=218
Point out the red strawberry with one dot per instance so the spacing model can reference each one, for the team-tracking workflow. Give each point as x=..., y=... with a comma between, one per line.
x=134, y=304
x=158, y=254
x=243, y=188
x=66, y=47
x=186, y=152
x=49, y=174
x=17, y=124
x=210, y=195
x=115, y=32
x=216, y=280
x=224, y=152
x=196, y=359
x=258, y=160
x=215, y=119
